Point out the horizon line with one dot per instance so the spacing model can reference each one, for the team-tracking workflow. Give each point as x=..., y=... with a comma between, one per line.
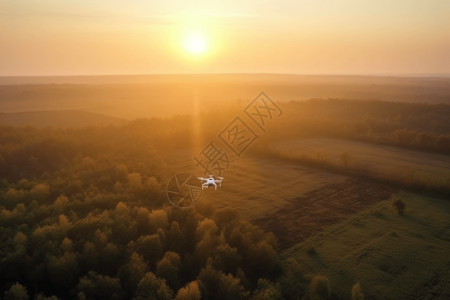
x=442, y=75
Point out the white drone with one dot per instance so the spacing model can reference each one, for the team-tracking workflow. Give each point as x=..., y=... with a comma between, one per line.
x=211, y=181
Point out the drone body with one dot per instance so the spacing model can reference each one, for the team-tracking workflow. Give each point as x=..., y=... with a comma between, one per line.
x=210, y=181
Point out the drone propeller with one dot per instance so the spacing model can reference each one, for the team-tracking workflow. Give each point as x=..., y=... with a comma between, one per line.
x=220, y=178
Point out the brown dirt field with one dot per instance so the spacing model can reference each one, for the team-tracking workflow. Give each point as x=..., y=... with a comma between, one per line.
x=308, y=214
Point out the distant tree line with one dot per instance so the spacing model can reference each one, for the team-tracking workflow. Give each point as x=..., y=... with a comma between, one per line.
x=411, y=125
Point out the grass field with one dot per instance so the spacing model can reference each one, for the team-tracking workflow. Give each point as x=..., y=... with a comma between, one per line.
x=408, y=168
x=393, y=257
x=384, y=160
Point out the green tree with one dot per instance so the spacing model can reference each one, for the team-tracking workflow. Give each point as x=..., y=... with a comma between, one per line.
x=320, y=288
x=63, y=270
x=175, y=238
x=17, y=292
x=43, y=297
x=142, y=220
x=135, y=182
x=95, y=286
x=207, y=234
x=216, y=285
x=263, y=260
x=226, y=258
x=168, y=268
x=152, y=287
x=110, y=259
x=89, y=256
x=131, y=273
x=158, y=219
x=266, y=290
x=40, y=192
x=293, y=284
x=357, y=293
x=190, y=292
x=150, y=247
x=60, y=204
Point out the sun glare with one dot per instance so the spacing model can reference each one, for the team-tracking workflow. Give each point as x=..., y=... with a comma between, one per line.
x=195, y=44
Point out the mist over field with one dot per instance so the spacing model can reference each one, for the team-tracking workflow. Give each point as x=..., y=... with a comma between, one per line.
x=148, y=96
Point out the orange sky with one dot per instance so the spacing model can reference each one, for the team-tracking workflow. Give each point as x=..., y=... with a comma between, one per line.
x=81, y=37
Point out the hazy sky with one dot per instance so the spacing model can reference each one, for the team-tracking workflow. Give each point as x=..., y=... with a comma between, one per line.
x=68, y=37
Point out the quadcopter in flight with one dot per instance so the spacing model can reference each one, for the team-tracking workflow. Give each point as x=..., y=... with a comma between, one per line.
x=207, y=182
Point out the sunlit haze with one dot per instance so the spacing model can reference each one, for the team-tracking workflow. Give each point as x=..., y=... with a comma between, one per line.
x=53, y=37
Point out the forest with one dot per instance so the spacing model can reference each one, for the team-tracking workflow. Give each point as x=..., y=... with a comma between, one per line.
x=84, y=215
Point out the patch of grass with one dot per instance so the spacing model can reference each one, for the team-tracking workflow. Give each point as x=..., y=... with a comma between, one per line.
x=391, y=257
x=434, y=182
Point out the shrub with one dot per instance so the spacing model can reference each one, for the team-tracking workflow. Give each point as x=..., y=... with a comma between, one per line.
x=400, y=206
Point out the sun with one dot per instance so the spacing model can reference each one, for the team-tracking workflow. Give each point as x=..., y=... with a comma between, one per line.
x=195, y=44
